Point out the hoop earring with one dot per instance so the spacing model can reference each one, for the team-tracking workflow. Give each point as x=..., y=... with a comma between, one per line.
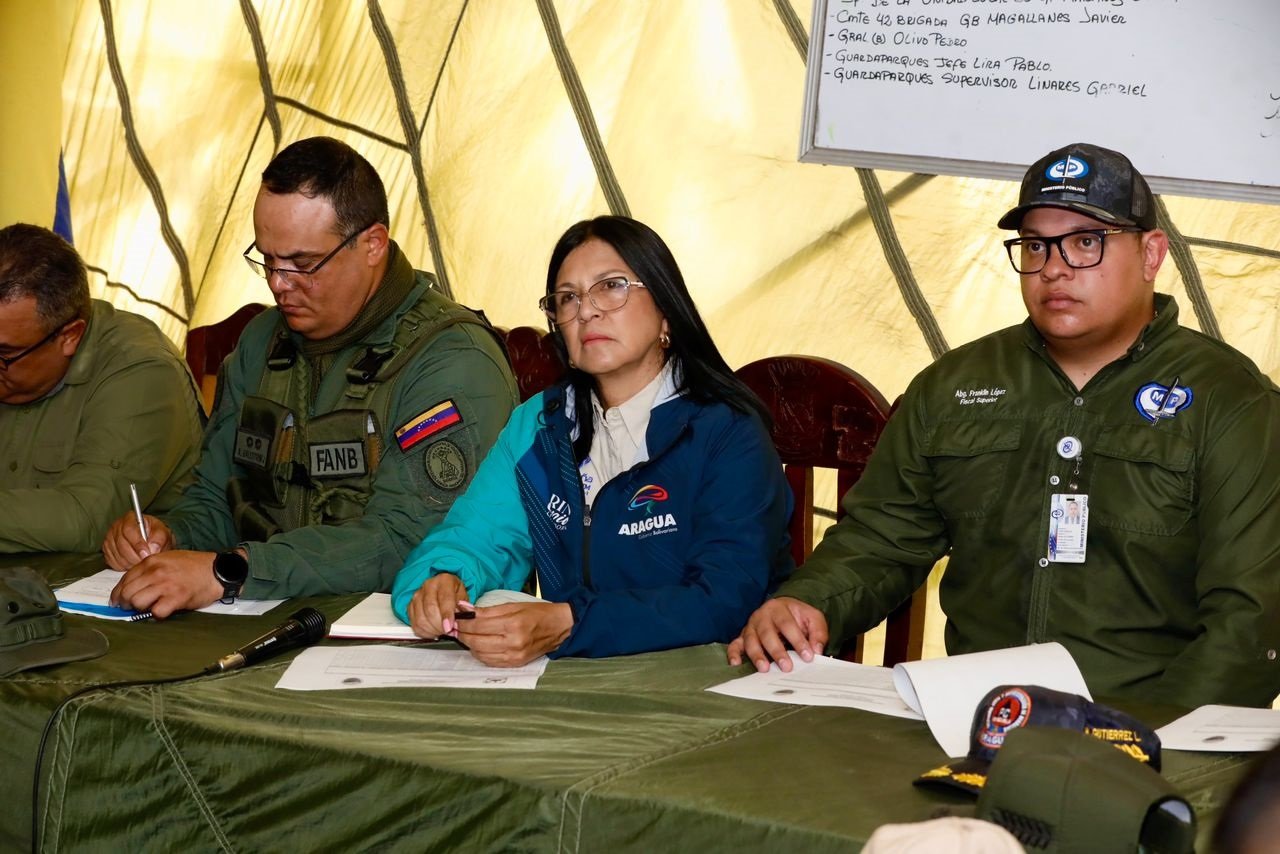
x=665, y=340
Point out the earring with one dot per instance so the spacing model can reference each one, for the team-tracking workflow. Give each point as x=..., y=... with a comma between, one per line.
x=665, y=340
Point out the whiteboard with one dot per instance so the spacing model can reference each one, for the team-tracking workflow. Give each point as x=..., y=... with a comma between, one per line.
x=1188, y=89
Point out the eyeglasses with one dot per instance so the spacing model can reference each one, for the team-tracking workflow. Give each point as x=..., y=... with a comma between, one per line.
x=295, y=277
x=1080, y=249
x=605, y=295
x=7, y=361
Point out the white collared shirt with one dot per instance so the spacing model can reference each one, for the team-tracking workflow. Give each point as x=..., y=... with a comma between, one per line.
x=618, y=442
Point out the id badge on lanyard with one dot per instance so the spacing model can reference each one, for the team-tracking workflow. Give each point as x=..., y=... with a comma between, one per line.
x=1069, y=511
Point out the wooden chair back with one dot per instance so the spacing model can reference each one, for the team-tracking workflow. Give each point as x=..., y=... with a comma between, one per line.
x=826, y=415
x=534, y=360
x=208, y=345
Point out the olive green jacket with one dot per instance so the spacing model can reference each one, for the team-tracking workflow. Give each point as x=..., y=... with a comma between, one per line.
x=127, y=411
x=462, y=363
x=1178, y=599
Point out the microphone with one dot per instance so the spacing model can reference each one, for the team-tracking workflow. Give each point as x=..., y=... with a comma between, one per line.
x=304, y=628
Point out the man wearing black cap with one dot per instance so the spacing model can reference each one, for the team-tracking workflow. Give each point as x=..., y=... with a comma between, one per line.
x=1100, y=475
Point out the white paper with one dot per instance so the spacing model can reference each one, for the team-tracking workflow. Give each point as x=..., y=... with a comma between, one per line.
x=92, y=597
x=946, y=691
x=823, y=682
x=326, y=668
x=372, y=617
x=1222, y=728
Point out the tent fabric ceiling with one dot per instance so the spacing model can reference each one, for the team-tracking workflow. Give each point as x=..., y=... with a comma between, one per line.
x=497, y=123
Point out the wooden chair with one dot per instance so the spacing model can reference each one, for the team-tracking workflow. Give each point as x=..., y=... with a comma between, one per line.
x=208, y=345
x=828, y=416
x=533, y=359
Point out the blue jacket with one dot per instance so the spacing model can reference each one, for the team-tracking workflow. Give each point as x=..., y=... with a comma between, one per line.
x=677, y=551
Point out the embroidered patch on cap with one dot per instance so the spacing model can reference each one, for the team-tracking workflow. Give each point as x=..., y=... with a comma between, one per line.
x=428, y=424
x=445, y=465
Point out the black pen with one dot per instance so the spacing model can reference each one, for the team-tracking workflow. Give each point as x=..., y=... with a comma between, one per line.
x=465, y=615
x=1164, y=404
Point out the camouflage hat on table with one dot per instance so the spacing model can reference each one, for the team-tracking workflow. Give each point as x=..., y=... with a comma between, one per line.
x=1009, y=707
x=1061, y=792
x=32, y=630
x=1089, y=179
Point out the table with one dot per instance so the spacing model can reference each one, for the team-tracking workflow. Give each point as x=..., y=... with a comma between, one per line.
x=616, y=754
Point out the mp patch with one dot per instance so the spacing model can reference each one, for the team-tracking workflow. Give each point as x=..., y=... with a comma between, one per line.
x=1155, y=401
x=445, y=465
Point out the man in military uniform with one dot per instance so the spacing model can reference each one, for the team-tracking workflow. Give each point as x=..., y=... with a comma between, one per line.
x=346, y=421
x=1164, y=580
x=91, y=399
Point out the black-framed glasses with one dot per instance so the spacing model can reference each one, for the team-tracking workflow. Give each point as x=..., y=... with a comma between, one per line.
x=7, y=361
x=293, y=275
x=606, y=295
x=1079, y=249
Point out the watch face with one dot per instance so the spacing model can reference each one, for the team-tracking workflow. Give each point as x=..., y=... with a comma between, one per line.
x=230, y=568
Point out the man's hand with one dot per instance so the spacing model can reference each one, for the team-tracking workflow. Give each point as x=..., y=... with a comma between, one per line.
x=799, y=624
x=124, y=546
x=168, y=582
x=432, y=608
x=515, y=634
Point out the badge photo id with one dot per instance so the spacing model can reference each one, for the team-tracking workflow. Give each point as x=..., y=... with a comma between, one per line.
x=1068, y=527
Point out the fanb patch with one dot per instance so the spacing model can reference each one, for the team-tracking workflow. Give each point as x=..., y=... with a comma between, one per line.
x=337, y=459
x=445, y=464
x=439, y=417
x=252, y=449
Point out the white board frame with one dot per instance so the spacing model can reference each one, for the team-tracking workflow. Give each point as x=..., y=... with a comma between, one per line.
x=1144, y=148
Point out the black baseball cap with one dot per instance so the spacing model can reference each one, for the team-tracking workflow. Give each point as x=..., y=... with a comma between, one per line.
x=1009, y=707
x=1092, y=180
x=33, y=632
x=1062, y=792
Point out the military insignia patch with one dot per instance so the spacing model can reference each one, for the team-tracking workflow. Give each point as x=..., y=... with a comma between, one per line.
x=439, y=417
x=251, y=449
x=445, y=465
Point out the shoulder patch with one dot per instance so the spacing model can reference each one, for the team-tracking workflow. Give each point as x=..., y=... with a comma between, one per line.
x=445, y=464
x=427, y=424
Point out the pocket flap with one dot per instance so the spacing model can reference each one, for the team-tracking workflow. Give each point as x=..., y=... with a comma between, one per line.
x=973, y=438
x=1146, y=445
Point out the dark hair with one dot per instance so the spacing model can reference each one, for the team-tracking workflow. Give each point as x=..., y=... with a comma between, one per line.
x=1252, y=813
x=323, y=166
x=706, y=377
x=35, y=262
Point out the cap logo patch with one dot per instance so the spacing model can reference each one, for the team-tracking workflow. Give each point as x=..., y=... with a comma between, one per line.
x=1009, y=710
x=1068, y=168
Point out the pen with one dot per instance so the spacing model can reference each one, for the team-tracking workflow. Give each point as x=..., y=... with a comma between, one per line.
x=465, y=615
x=137, y=510
x=1164, y=404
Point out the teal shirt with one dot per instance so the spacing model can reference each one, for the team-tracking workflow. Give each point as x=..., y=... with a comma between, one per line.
x=127, y=412
x=462, y=363
x=1178, y=599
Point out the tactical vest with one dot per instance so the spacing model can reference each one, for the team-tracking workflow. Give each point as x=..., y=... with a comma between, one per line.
x=305, y=471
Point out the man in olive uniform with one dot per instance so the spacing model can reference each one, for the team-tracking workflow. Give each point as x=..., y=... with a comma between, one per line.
x=346, y=421
x=91, y=399
x=1101, y=476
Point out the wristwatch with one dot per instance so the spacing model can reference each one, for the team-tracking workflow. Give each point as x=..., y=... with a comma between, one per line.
x=231, y=569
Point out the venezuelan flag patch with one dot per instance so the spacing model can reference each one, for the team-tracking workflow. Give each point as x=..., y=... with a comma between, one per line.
x=437, y=418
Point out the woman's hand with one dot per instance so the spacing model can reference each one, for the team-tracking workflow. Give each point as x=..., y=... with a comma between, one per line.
x=432, y=608
x=515, y=634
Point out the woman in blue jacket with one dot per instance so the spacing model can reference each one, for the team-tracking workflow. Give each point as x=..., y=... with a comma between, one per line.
x=643, y=489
